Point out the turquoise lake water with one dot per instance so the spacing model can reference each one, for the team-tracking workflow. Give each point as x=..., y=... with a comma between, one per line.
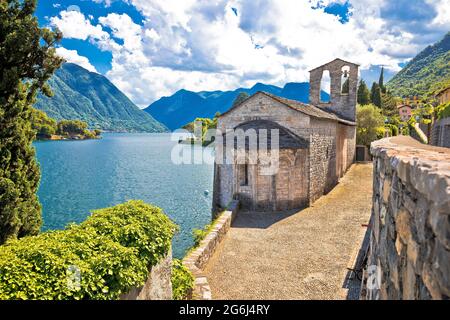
x=80, y=176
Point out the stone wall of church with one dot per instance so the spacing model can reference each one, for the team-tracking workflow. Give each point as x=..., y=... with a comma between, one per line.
x=261, y=107
x=342, y=104
x=286, y=189
x=322, y=165
x=323, y=152
x=332, y=152
x=222, y=186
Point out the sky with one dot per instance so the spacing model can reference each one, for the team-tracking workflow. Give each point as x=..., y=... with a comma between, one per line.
x=153, y=48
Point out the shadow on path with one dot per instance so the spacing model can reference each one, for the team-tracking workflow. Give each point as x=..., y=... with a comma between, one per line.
x=261, y=220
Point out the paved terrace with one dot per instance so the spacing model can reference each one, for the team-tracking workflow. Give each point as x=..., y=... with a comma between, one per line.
x=296, y=255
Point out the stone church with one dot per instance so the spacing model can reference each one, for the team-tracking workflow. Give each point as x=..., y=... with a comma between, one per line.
x=315, y=144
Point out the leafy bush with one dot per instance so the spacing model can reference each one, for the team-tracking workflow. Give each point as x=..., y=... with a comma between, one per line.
x=443, y=111
x=111, y=251
x=393, y=129
x=369, y=124
x=199, y=235
x=182, y=280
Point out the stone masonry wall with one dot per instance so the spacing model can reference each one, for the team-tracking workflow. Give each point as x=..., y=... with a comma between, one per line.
x=197, y=259
x=322, y=165
x=158, y=285
x=440, y=134
x=409, y=254
x=342, y=104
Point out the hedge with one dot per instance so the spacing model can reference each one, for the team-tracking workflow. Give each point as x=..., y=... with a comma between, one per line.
x=182, y=281
x=110, y=251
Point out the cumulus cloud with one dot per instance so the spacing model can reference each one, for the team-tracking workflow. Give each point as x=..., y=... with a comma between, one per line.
x=74, y=25
x=73, y=57
x=210, y=45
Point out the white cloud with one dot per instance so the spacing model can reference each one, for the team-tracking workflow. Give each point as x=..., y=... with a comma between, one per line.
x=443, y=9
x=73, y=57
x=74, y=25
x=204, y=45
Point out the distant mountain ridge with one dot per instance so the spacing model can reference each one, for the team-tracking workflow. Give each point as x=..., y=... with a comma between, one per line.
x=426, y=70
x=91, y=97
x=184, y=106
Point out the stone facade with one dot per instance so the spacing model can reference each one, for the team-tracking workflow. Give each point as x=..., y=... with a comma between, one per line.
x=158, y=285
x=324, y=147
x=440, y=135
x=409, y=254
x=342, y=104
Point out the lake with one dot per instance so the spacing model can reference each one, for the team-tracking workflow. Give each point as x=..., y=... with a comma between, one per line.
x=80, y=176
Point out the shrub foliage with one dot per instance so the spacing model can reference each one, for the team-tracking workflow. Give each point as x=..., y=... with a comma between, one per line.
x=111, y=252
x=182, y=281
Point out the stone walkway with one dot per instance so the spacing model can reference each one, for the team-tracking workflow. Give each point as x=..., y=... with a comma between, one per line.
x=296, y=255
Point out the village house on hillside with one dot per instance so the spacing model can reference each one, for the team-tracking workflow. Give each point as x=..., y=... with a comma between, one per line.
x=405, y=112
x=316, y=144
x=443, y=95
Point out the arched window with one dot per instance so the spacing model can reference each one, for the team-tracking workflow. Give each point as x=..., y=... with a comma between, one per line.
x=325, y=87
x=345, y=82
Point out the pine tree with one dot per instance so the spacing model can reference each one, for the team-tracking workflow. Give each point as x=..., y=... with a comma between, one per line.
x=375, y=94
x=27, y=60
x=363, y=93
x=241, y=97
x=381, y=81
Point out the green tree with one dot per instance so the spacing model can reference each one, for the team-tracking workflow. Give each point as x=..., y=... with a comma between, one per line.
x=375, y=94
x=72, y=127
x=363, y=93
x=27, y=61
x=389, y=104
x=381, y=81
x=369, y=124
x=44, y=125
x=240, y=98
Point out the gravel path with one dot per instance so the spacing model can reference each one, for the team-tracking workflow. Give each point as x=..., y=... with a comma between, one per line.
x=296, y=255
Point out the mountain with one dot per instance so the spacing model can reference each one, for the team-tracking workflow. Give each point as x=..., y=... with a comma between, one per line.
x=424, y=72
x=88, y=96
x=184, y=106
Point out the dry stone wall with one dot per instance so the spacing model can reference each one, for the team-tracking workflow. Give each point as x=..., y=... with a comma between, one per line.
x=158, y=285
x=409, y=254
x=197, y=259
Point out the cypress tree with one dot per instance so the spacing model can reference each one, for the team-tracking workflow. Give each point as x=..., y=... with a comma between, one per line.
x=27, y=61
x=381, y=81
x=375, y=94
x=363, y=93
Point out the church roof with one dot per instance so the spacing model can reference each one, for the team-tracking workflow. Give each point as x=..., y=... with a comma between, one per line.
x=305, y=108
x=287, y=139
x=337, y=59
